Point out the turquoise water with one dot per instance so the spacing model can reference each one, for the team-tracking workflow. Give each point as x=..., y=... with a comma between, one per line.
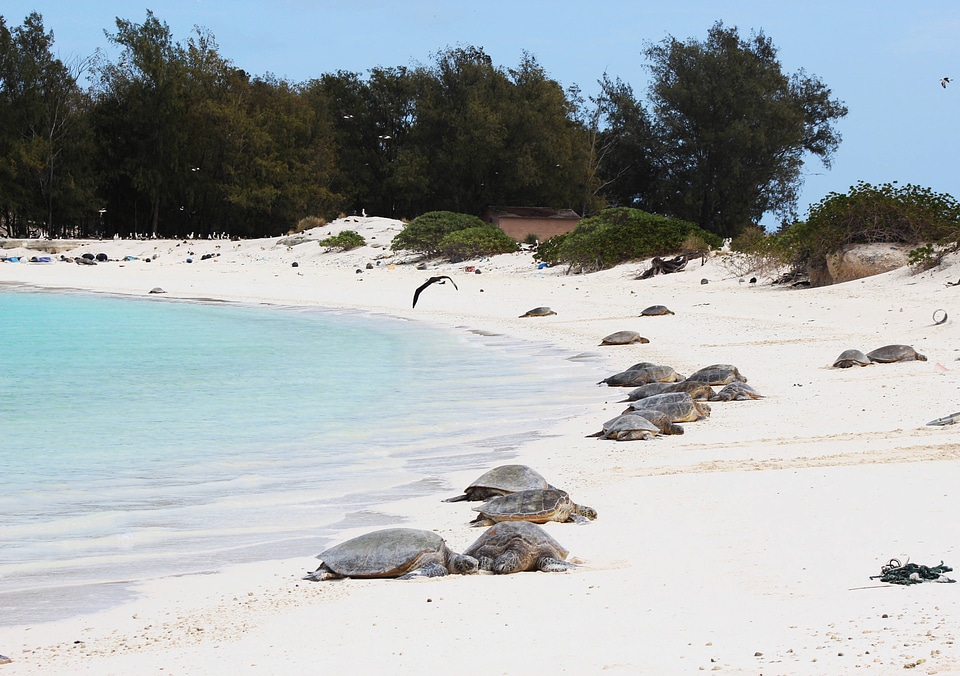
x=153, y=437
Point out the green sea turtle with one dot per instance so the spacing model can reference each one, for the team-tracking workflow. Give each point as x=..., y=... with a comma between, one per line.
x=656, y=310
x=695, y=389
x=157, y=289
x=536, y=506
x=717, y=374
x=628, y=427
x=642, y=376
x=516, y=546
x=679, y=410
x=623, y=338
x=538, y=312
x=891, y=353
x=393, y=552
x=736, y=392
x=501, y=481
x=850, y=358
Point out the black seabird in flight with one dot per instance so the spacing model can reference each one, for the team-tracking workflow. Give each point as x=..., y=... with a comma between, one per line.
x=944, y=81
x=432, y=280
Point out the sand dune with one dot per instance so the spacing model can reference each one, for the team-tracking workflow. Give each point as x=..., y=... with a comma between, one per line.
x=746, y=545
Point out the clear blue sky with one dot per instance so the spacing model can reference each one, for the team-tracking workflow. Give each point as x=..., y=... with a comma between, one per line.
x=883, y=59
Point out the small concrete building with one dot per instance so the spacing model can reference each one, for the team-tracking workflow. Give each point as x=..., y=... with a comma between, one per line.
x=543, y=222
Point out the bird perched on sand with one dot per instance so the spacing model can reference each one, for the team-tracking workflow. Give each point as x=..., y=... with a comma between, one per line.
x=944, y=81
x=433, y=280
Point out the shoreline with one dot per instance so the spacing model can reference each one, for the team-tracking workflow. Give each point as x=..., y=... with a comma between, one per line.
x=745, y=544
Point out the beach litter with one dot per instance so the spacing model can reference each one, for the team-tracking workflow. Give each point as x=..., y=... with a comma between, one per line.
x=895, y=572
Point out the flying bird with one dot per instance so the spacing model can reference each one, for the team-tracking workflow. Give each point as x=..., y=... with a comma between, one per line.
x=432, y=280
x=944, y=81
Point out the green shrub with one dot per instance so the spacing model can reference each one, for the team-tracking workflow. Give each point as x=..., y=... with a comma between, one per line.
x=424, y=233
x=346, y=240
x=485, y=240
x=616, y=236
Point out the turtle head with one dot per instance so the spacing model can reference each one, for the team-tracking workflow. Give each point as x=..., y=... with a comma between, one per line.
x=587, y=512
x=463, y=564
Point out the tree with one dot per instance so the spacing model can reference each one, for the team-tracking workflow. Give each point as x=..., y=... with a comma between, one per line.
x=734, y=129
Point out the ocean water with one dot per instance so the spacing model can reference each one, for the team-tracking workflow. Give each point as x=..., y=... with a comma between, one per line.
x=149, y=437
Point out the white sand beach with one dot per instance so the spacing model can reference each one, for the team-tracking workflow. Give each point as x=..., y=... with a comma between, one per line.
x=744, y=546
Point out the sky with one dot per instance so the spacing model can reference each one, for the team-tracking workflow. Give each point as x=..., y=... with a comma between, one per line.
x=882, y=59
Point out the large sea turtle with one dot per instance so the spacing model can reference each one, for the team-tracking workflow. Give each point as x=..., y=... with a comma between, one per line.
x=392, y=552
x=736, y=392
x=695, y=389
x=501, y=481
x=679, y=410
x=536, y=506
x=538, y=312
x=642, y=376
x=891, y=353
x=516, y=546
x=850, y=358
x=628, y=427
x=656, y=310
x=623, y=338
x=717, y=374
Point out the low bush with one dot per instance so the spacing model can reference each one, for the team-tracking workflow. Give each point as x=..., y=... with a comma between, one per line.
x=620, y=235
x=424, y=233
x=346, y=240
x=485, y=240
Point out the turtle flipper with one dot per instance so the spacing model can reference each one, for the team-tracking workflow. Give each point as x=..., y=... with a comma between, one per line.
x=548, y=564
x=578, y=519
x=320, y=574
x=458, y=498
x=429, y=570
x=482, y=520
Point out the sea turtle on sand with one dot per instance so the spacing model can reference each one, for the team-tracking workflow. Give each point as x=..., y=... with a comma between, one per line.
x=623, y=338
x=736, y=392
x=850, y=358
x=891, y=353
x=642, y=376
x=681, y=410
x=393, y=552
x=628, y=427
x=536, y=506
x=157, y=289
x=717, y=374
x=693, y=388
x=656, y=310
x=502, y=480
x=538, y=312
x=516, y=546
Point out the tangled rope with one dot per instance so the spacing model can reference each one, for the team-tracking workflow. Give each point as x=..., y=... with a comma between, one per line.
x=911, y=573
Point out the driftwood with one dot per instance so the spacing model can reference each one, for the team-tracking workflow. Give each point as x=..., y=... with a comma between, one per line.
x=659, y=266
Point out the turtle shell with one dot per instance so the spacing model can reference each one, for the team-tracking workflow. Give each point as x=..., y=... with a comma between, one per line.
x=501, y=481
x=390, y=552
x=850, y=358
x=538, y=312
x=717, y=374
x=538, y=506
x=679, y=411
x=629, y=427
x=892, y=353
x=695, y=389
x=656, y=310
x=623, y=338
x=642, y=376
x=736, y=392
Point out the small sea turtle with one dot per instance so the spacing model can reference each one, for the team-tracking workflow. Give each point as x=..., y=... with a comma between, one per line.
x=538, y=312
x=393, y=552
x=623, y=338
x=642, y=376
x=695, y=389
x=891, y=353
x=736, y=392
x=717, y=374
x=628, y=427
x=502, y=480
x=656, y=310
x=516, y=546
x=850, y=358
x=157, y=289
x=536, y=506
